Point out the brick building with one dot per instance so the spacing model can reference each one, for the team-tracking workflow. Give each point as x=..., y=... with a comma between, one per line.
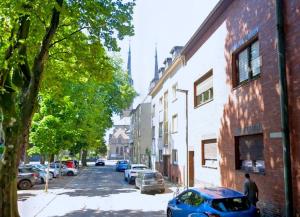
x=231, y=72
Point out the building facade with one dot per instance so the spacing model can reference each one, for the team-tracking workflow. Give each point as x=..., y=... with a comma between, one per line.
x=141, y=134
x=230, y=69
x=119, y=143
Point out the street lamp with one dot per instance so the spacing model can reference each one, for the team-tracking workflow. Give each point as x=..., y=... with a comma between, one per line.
x=186, y=92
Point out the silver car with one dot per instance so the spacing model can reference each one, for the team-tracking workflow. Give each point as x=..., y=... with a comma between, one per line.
x=149, y=180
x=26, y=180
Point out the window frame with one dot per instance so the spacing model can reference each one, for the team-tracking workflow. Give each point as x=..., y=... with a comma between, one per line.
x=160, y=129
x=175, y=159
x=208, y=141
x=160, y=155
x=235, y=62
x=174, y=92
x=173, y=118
x=238, y=161
x=197, y=82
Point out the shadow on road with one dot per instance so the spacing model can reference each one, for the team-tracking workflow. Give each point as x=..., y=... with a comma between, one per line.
x=119, y=213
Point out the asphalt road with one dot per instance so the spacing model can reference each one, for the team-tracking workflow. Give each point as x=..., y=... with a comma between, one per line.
x=96, y=191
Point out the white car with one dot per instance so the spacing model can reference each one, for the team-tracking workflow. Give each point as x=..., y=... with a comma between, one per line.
x=53, y=172
x=131, y=173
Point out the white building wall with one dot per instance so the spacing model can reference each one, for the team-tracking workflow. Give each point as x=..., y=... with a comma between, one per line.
x=205, y=120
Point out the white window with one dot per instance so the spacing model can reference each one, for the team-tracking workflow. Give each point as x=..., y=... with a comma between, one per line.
x=174, y=156
x=203, y=89
x=174, y=88
x=209, y=153
x=174, y=123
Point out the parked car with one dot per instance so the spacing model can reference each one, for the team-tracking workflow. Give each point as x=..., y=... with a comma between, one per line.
x=42, y=172
x=149, y=180
x=69, y=163
x=25, y=181
x=65, y=171
x=37, y=173
x=100, y=162
x=214, y=202
x=131, y=173
x=54, y=172
x=122, y=165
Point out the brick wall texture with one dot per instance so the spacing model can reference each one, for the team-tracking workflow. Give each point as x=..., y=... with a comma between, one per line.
x=257, y=102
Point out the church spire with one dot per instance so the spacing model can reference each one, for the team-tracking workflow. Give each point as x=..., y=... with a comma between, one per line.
x=129, y=66
x=156, y=65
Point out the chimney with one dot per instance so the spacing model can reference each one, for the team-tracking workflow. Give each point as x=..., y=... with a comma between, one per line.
x=175, y=52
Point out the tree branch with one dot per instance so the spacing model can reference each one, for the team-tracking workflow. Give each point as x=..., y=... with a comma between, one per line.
x=68, y=36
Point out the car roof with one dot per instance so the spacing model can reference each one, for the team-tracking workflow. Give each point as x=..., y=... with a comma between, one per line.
x=218, y=192
x=138, y=165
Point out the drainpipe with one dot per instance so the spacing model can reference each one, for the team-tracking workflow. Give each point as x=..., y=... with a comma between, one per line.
x=284, y=110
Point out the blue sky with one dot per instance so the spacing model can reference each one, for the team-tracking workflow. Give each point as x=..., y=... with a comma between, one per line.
x=163, y=22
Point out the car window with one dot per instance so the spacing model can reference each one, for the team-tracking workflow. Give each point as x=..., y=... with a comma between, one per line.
x=231, y=204
x=195, y=199
x=152, y=176
x=184, y=198
x=139, y=168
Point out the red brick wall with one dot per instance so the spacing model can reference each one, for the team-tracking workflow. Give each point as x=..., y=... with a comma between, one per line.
x=257, y=102
x=292, y=29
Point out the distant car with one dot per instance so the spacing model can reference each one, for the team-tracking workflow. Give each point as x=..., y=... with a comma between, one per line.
x=65, y=171
x=131, y=173
x=25, y=181
x=214, y=202
x=149, y=180
x=122, y=165
x=100, y=162
x=69, y=163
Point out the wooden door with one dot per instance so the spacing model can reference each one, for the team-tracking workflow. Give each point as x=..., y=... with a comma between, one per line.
x=191, y=168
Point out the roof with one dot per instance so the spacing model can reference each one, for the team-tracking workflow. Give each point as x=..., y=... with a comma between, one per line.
x=218, y=192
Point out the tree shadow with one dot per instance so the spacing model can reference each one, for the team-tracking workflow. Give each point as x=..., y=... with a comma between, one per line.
x=119, y=213
x=24, y=196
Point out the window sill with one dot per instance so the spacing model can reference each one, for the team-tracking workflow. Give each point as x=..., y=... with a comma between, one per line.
x=247, y=82
x=175, y=163
x=251, y=172
x=208, y=167
x=174, y=100
x=175, y=132
x=208, y=101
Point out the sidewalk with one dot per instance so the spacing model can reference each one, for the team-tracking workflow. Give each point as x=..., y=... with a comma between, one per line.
x=32, y=202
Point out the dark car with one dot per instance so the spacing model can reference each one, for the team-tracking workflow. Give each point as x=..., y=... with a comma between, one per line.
x=122, y=165
x=100, y=162
x=26, y=180
x=149, y=180
x=216, y=202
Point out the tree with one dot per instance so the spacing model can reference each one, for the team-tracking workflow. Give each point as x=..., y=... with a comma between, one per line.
x=38, y=35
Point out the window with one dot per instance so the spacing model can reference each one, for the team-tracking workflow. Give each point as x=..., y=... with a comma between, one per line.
x=160, y=129
x=153, y=132
x=209, y=153
x=247, y=62
x=153, y=111
x=161, y=102
x=121, y=151
x=160, y=157
x=203, y=89
x=174, y=88
x=117, y=150
x=174, y=156
x=249, y=153
x=174, y=123
x=191, y=198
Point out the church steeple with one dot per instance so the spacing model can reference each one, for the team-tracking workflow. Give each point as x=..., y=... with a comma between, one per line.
x=129, y=66
x=156, y=66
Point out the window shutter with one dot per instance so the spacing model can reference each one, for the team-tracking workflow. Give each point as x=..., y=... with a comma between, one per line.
x=204, y=85
x=210, y=150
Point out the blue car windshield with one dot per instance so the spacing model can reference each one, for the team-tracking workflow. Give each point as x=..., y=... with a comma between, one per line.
x=231, y=204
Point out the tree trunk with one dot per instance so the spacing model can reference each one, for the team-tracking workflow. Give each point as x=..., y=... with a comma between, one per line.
x=83, y=158
x=42, y=159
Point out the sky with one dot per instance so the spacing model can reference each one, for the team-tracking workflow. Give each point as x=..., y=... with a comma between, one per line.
x=164, y=23
x=160, y=23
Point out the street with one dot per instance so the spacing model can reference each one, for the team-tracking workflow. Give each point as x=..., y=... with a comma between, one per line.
x=96, y=191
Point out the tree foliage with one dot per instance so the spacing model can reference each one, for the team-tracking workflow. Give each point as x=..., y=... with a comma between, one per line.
x=40, y=37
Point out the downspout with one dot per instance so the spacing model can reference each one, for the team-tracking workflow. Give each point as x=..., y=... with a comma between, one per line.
x=283, y=92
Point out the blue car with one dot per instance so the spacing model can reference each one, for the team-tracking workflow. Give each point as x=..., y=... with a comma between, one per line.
x=122, y=165
x=211, y=202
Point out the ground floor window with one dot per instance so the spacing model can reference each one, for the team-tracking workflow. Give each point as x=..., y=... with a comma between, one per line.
x=160, y=155
x=250, y=153
x=174, y=156
x=209, y=153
